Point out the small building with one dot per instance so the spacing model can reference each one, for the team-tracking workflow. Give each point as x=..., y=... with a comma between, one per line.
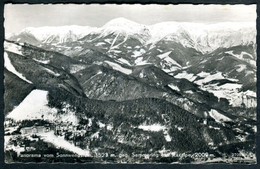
x=34, y=130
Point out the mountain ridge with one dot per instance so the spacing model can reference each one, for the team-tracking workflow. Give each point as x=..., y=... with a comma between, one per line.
x=199, y=35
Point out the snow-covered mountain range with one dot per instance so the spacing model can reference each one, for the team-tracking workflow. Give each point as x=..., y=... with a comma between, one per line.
x=203, y=37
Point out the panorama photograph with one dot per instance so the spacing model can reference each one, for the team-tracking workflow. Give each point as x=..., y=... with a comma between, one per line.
x=132, y=84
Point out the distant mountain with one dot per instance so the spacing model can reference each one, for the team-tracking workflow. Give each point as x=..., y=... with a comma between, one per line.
x=202, y=37
x=51, y=34
x=206, y=37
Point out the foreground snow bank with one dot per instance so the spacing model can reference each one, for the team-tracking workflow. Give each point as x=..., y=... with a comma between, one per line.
x=62, y=143
x=35, y=106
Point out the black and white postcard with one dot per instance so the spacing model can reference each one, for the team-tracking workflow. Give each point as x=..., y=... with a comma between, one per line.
x=130, y=83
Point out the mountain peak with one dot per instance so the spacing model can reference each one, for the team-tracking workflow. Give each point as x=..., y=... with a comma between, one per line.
x=59, y=33
x=126, y=27
x=121, y=22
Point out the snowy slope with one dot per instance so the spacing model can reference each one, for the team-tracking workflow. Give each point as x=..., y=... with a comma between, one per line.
x=165, y=56
x=35, y=106
x=205, y=37
x=232, y=93
x=153, y=127
x=217, y=116
x=117, y=67
x=13, y=48
x=124, y=25
x=10, y=67
x=60, y=142
x=59, y=34
x=241, y=56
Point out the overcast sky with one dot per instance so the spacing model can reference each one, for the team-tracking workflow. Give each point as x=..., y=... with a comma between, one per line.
x=19, y=16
